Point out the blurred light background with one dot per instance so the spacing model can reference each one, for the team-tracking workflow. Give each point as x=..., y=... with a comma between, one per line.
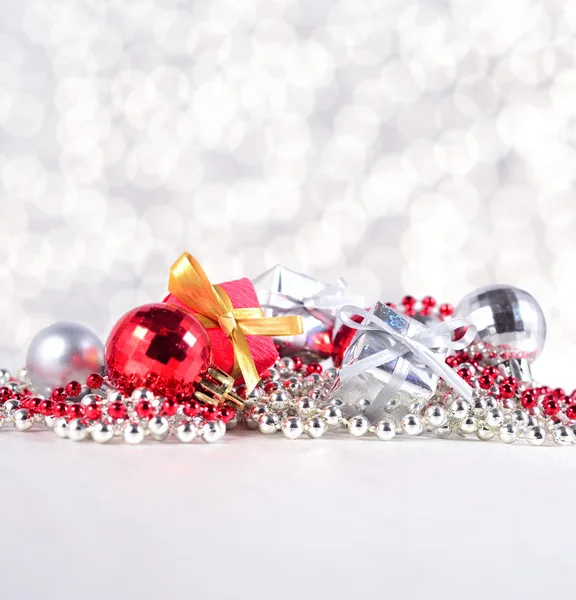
x=410, y=146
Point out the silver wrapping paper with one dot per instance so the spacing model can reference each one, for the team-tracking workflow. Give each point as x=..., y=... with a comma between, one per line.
x=282, y=291
x=419, y=385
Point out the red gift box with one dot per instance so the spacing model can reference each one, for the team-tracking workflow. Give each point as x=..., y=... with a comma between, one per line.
x=262, y=348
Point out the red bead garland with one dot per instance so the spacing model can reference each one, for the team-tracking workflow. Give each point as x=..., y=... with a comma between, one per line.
x=554, y=404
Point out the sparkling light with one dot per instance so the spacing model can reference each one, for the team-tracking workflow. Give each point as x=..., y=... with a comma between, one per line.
x=407, y=146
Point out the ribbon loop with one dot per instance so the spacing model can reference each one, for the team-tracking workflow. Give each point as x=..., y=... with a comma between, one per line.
x=329, y=298
x=421, y=344
x=212, y=306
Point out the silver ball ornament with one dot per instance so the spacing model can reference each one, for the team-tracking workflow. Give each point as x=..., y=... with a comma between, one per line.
x=443, y=431
x=10, y=406
x=506, y=317
x=292, y=428
x=484, y=433
x=22, y=419
x=61, y=428
x=385, y=430
x=315, y=427
x=186, y=432
x=508, y=433
x=494, y=418
x=61, y=353
x=536, y=435
x=467, y=425
x=459, y=409
x=133, y=433
x=435, y=415
x=77, y=431
x=4, y=376
x=268, y=423
x=332, y=415
x=412, y=425
x=358, y=425
x=305, y=406
x=159, y=428
x=212, y=431
x=563, y=436
x=102, y=432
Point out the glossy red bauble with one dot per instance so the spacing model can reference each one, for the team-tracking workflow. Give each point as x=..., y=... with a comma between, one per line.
x=117, y=410
x=93, y=411
x=94, y=381
x=160, y=347
x=529, y=399
x=551, y=406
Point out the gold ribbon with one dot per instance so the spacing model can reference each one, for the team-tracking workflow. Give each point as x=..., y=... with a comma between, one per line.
x=212, y=306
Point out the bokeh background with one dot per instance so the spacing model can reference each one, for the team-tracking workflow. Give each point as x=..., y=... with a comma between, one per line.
x=408, y=146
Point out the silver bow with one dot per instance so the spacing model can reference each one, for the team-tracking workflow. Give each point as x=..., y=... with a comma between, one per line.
x=408, y=348
x=328, y=299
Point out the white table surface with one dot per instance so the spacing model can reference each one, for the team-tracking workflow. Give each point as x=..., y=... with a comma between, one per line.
x=265, y=517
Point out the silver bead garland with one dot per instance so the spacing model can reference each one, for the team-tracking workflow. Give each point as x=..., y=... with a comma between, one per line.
x=132, y=429
x=298, y=405
x=308, y=409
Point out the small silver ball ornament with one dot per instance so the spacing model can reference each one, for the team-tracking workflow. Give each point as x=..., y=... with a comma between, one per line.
x=358, y=425
x=133, y=433
x=508, y=433
x=77, y=431
x=212, y=431
x=385, y=430
x=484, y=433
x=5, y=376
x=269, y=423
x=412, y=425
x=22, y=419
x=186, y=432
x=102, y=432
x=536, y=435
x=292, y=428
x=315, y=427
x=61, y=353
x=61, y=428
x=159, y=428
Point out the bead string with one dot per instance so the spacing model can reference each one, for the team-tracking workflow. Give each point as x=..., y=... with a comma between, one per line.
x=297, y=398
x=98, y=411
x=296, y=403
x=293, y=402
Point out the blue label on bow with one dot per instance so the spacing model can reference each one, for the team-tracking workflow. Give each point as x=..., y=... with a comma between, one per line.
x=391, y=317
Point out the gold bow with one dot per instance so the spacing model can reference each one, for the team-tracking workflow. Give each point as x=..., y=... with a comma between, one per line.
x=212, y=306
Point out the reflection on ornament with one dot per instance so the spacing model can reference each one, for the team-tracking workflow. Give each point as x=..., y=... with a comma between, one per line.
x=160, y=347
x=61, y=353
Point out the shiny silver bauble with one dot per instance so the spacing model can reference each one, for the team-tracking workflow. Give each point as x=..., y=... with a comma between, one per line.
x=508, y=318
x=61, y=353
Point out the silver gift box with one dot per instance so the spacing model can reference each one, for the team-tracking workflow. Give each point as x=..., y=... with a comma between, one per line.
x=420, y=383
x=282, y=291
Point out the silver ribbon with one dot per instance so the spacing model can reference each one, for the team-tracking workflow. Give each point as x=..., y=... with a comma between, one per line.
x=420, y=344
x=329, y=298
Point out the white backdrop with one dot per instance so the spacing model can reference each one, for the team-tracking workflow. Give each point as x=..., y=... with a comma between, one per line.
x=422, y=147
x=409, y=146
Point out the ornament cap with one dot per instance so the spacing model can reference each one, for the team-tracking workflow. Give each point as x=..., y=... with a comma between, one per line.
x=216, y=388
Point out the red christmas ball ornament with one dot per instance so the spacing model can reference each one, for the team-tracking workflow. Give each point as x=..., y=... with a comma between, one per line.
x=160, y=347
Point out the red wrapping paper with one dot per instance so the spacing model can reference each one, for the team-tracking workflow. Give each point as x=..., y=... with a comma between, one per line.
x=262, y=348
